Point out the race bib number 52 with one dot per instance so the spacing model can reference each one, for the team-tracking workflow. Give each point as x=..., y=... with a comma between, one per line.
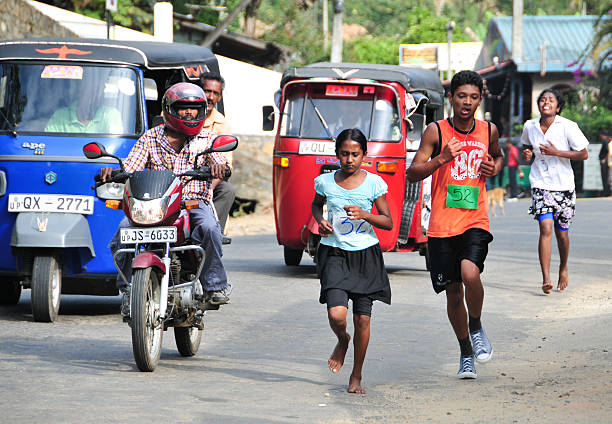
x=461, y=196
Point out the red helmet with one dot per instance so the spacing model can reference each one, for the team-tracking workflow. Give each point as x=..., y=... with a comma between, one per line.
x=180, y=96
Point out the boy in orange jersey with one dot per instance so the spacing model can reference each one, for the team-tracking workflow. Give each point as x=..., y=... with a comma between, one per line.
x=464, y=152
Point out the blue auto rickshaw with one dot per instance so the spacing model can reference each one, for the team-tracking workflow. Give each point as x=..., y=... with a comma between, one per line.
x=57, y=95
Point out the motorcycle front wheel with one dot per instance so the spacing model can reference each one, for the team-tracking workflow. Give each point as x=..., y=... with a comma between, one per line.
x=187, y=340
x=147, y=331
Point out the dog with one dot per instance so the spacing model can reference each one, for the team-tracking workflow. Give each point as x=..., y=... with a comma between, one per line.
x=496, y=197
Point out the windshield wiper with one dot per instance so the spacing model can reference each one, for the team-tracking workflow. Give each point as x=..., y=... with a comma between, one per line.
x=321, y=119
x=10, y=126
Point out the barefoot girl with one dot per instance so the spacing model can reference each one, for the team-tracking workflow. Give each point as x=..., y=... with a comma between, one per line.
x=552, y=141
x=349, y=256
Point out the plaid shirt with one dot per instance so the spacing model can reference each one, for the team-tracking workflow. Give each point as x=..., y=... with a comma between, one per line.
x=153, y=151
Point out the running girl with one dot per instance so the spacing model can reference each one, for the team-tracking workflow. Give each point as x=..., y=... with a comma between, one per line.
x=349, y=257
x=553, y=141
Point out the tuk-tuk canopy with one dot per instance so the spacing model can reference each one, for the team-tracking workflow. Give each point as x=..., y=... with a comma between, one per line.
x=412, y=79
x=149, y=54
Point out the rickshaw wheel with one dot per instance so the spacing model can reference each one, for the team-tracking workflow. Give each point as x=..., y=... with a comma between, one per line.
x=46, y=288
x=292, y=256
x=10, y=291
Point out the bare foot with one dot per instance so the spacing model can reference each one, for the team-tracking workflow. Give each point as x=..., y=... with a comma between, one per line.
x=336, y=360
x=355, y=385
x=547, y=287
x=563, y=279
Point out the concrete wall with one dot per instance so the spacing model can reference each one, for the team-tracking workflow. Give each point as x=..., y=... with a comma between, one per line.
x=252, y=175
x=18, y=19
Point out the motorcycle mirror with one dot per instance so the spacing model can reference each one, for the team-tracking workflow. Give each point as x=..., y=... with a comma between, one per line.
x=224, y=143
x=94, y=151
x=221, y=143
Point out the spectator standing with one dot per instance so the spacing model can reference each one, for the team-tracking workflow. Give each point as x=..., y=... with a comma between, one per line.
x=604, y=138
x=215, y=123
x=512, y=165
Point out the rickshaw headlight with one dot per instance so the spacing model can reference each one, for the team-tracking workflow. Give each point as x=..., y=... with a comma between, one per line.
x=148, y=212
x=110, y=191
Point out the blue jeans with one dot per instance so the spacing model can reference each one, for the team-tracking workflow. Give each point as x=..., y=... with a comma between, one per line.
x=205, y=231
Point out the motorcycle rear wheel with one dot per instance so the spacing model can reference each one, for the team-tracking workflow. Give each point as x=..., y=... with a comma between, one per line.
x=187, y=340
x=147, y=332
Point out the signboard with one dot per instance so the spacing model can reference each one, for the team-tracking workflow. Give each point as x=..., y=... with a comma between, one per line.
x=425, y=57
x=592, y=170
x=111, y=5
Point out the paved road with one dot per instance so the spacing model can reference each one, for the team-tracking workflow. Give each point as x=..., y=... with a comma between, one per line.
x=263, y=358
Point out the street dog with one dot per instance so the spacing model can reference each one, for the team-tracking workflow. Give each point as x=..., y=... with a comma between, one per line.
x=496, y=197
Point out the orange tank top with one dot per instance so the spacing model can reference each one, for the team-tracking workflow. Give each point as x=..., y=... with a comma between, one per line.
x=458, y=193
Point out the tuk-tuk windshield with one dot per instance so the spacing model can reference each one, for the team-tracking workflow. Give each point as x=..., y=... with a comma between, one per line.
x=69, y=99
x=371, y=108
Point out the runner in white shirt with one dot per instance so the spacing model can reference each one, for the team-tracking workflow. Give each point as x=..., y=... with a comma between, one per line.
x=552, y=141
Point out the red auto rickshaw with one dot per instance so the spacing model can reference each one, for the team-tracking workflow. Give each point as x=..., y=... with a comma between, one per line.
x=390, y=104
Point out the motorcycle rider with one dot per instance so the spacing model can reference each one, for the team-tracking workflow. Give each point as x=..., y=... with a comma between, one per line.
x=173, y=146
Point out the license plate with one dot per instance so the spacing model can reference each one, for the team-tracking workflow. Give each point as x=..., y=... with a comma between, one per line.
x=66, y=203
x=148, y=235
x=317, y=148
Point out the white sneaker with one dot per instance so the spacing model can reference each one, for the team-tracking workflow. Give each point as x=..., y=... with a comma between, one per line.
x=482, y=347
x=466, y=367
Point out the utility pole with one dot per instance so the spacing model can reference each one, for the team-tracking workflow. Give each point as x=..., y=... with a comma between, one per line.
x=336, y=52
x=517, y=31
x=325, y=25
x=212, y=37
x=450, y=26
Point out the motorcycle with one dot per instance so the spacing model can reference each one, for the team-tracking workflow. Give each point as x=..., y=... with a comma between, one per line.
x=165, y=289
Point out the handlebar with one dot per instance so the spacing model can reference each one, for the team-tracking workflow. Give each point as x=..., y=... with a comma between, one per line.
x=117, y=176
x=203, y=174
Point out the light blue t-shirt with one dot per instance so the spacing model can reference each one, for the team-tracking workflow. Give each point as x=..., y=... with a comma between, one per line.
x=349, y=234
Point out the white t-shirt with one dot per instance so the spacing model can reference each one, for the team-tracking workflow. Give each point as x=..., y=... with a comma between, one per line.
x=553, y=172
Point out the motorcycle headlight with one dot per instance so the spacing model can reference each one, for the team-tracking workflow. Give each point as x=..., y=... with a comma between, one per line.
x=110, y=191
x=148, y=212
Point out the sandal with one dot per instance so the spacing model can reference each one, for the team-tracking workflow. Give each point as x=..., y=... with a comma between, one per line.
x=547, y=288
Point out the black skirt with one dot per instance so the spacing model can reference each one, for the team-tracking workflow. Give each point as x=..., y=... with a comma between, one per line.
x=354, y=271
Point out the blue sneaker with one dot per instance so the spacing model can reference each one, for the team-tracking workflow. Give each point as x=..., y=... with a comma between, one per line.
x=466, y=367
x=482, y=347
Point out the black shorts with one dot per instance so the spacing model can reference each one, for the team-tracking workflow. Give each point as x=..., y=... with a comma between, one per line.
x=362, y=303
x=446, y=254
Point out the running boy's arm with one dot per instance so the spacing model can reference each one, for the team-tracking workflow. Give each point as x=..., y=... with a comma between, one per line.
x=494, y=161
x=421, y=166
x=381, y=220
x=325, y=227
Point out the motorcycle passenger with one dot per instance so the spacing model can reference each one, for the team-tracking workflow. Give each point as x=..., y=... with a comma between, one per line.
x=173, y=146
x=223, y=192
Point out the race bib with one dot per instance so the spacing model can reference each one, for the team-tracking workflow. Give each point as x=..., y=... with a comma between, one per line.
x=462, y=196
x=345, y=228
